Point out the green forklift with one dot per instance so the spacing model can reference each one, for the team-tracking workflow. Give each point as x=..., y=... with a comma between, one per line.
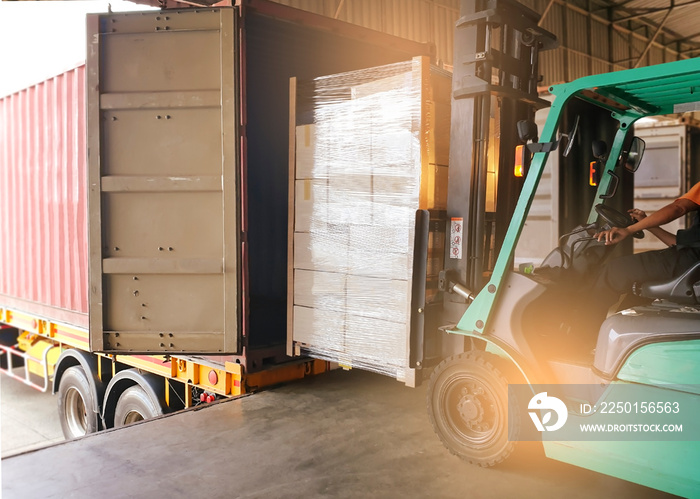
x=510, y=324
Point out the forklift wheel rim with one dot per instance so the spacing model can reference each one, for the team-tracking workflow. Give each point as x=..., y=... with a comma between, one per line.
x=462, y=388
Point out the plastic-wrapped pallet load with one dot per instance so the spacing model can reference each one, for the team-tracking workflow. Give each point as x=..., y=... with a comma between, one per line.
x=362, y=167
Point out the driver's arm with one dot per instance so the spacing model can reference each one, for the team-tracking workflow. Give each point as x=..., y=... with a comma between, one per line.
x=663, y=235
x=667, y=214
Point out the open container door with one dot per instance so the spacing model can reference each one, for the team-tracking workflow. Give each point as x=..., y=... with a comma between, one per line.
x=163, y=188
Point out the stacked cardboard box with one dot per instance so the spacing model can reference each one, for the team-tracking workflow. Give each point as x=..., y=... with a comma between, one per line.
x=362, y=169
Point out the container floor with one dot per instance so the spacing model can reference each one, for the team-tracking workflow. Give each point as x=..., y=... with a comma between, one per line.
x=340, y=434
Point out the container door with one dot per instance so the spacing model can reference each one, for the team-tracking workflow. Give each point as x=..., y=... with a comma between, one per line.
x=163, y=188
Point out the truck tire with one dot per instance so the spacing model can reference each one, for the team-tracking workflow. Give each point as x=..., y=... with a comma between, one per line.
x=75, y=403
x=135, y=405
x=468, y=408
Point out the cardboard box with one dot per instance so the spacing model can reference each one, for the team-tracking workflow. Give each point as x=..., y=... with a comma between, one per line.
x=382, y=265
x=307, y=165
x=441, y=134
x=401, y=190
x=327, y=252
x=346, y=212
x=311, y=205
x=395, y=199
x=396, y=151
x=386, y=299
x=404, y=81
x=350, y=188
x=324, y=329
x=386, y=214
x=381, y=239
x=345, y=138
x=349, y=198
x=379, y=342
x=323, y=290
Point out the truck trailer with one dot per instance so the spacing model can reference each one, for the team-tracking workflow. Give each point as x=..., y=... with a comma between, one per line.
x=200, y=256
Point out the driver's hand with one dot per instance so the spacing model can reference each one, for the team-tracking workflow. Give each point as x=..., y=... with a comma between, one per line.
x=637, y=214
x=613, y=236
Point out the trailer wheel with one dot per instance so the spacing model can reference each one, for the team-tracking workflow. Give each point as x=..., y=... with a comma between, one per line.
x=135, y=405
x=75, y=403
x=468, y=408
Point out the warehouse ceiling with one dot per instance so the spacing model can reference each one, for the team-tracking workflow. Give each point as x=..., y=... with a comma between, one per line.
x=675, y=24
x=671, y=23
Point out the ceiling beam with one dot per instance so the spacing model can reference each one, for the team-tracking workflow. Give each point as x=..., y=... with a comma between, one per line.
x=653, y=38
x=545, y=12
x=648, y=12
x=340, y=7
x=608, y=22
x=621, y=4
x=682, y=40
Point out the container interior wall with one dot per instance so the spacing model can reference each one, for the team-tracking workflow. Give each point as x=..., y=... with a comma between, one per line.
x=43, y=212
x=274, y=51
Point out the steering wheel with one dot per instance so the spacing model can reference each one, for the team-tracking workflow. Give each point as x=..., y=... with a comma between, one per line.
x=616, y=218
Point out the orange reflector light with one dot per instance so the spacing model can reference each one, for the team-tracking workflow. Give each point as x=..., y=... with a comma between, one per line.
x=518, y=171
x=593, y=173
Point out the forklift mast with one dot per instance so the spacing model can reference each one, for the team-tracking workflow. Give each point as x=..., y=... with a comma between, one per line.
x=497, y=45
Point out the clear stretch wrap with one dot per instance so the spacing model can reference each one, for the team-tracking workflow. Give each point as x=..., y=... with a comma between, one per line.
x=357, y=189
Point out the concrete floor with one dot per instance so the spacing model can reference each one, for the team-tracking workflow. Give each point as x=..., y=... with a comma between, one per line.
x=341, y=434
x=28, y=418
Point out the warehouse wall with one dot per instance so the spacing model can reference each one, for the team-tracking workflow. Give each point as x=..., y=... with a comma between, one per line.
x=589, y=43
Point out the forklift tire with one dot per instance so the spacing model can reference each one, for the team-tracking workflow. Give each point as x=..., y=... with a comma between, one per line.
x=135, y=405
x=468, y=408
x=75, y=402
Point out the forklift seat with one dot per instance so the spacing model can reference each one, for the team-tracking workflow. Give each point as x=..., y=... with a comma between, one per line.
x=623, y=333
x=683, y=289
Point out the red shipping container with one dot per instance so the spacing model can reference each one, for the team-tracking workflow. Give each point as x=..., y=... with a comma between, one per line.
x=43, y=200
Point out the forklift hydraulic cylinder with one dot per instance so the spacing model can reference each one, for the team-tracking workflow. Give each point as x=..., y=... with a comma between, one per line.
x=462, y=291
